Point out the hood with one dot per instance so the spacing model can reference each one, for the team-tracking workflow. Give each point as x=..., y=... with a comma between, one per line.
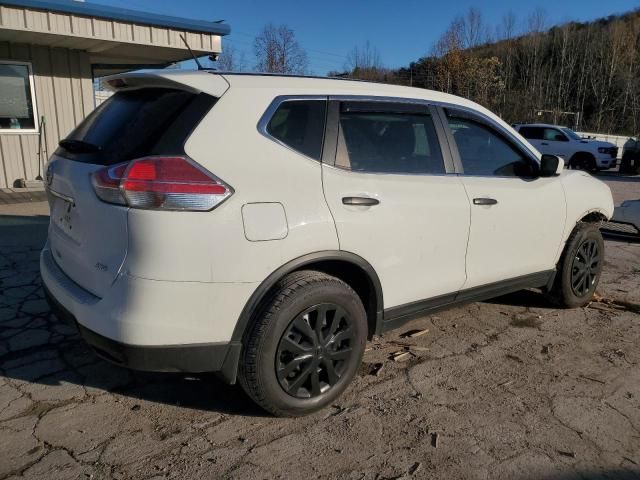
x=598, y=143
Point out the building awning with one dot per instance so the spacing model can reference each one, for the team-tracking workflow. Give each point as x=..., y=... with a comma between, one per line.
x=116, y=39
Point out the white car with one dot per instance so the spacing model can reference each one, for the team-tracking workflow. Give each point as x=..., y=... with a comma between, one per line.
x=577, y=152
x=264, y=227
x=626, y=219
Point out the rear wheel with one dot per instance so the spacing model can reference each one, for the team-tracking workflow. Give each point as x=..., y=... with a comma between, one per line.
x=583, y=161
x=580, y=267
x=305, y=346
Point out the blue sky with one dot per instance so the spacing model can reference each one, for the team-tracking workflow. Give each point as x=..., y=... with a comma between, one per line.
x=402, y=30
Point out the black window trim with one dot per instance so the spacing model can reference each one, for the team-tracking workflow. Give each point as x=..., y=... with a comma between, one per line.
x=505, y=134
x=263, y=123
x=34, y=106
x=450, y=154
x=369, y=103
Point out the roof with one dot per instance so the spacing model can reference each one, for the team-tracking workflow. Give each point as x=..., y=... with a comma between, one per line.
x=541, y=125
x=279, y=84
x=122, y=14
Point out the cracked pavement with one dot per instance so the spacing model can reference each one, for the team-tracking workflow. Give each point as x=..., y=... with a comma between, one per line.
x=512, y=388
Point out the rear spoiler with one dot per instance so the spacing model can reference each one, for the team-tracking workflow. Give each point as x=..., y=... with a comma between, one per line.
x=191, y=81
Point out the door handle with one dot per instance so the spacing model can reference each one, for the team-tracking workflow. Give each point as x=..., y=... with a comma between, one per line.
x=545, y=143
x=360, y=201
x=484, y=201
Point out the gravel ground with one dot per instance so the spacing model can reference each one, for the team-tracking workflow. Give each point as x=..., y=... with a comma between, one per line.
x=507, y=389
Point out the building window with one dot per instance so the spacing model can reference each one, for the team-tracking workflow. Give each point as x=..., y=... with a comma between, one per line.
x=17, y=99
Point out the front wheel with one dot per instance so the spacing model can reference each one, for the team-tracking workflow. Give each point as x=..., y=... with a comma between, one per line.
x=583, y=161
x=580, y=267
x=305, y=345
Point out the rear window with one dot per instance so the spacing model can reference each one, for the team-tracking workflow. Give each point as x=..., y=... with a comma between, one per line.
x=133, y=124
x=299, y=124
x=532, y=133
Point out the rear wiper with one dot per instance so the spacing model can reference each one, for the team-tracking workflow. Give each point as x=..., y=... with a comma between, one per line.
x=79, y=146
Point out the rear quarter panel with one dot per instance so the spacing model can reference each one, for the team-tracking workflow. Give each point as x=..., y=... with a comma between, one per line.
x=212, y=246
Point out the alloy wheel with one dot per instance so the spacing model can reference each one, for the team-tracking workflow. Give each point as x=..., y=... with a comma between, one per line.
x=585, y=268
x=315, y=350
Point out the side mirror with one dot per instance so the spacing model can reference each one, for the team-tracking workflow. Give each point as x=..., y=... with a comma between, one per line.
x=560, y=138
x=550, y=166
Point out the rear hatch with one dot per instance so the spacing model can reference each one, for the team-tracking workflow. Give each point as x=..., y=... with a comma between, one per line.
x=88, y=237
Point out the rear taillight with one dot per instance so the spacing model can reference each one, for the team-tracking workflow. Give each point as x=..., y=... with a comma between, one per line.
x=160, y=183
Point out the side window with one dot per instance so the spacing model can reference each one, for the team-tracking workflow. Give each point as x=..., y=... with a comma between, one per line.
x=483, y=151
x=531, y=133
x=17, y=106
x=554, y=135
x=403, y=142
x=299, y=124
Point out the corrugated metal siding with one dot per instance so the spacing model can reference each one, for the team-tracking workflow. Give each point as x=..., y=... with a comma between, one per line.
x=64, y=96
x=97, y=28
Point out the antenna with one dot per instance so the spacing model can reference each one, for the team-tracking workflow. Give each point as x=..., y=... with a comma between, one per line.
x=191, y=52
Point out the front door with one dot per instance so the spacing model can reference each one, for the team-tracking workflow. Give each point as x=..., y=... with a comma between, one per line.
x=394, y=197
x=556, y=143
x=517, y=218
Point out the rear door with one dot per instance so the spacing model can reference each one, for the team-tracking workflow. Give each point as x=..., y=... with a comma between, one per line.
x=395, y=202
x=87, y=237
x=517, y=218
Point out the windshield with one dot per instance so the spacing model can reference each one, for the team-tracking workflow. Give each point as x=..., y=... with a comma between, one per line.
x=572, y=134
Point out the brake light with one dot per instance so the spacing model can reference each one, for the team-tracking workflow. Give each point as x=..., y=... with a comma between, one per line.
x=160, y=183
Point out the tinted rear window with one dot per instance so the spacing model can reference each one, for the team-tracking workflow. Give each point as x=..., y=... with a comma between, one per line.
x=136, y=123
x=300, y=125
x=532, y=133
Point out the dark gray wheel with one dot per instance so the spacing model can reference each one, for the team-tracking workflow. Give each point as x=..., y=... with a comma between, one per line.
x=305, y=344
x=586, y=267
x=580, y=267
x=315, y=350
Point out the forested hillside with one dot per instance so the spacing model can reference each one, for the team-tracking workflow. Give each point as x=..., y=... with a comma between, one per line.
x=590, y=69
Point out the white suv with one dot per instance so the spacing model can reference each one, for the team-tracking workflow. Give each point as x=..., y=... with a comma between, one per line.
x=577, y=152
x=264, y=227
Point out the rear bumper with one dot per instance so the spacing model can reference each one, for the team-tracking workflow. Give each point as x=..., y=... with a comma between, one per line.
x=153, y=325
x=215, y=357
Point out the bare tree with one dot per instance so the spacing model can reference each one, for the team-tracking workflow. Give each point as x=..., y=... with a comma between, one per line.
x=364, y=57
x=278, y=51
x=364, y=62
x=231, y=60
x=537, y=21
x=473, y=30
x=507, y=28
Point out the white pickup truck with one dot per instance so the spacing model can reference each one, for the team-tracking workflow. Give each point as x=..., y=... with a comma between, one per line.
x=577, y=152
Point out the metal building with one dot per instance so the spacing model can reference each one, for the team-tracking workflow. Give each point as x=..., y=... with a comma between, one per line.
x=50, y=52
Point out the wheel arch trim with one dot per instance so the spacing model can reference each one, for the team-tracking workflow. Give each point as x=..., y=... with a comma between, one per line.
x=587, y=215
x=298, y=263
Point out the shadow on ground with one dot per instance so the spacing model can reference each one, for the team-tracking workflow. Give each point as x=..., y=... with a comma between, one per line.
x=69, y=362
x=24, y=230
x=632, y=474
x=523, y=298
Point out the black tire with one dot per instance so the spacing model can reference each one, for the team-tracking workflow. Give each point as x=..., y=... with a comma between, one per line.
x=580, y=267
x=630, y=163
x=625, y=163
x=583, y=161
x=286, y=341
